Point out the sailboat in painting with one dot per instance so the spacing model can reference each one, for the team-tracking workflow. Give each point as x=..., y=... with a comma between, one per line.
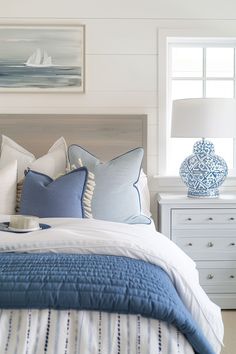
x=39, y=59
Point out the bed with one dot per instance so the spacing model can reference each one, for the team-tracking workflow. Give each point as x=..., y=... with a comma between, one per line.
x=98, y=286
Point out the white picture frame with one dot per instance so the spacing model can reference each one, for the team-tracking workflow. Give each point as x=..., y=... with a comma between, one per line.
x=42, y=58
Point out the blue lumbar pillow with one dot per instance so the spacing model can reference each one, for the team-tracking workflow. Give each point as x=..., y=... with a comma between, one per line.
x=44, y=197
x=116, y=197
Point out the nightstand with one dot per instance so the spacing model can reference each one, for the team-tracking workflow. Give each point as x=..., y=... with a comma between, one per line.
x=205, y=229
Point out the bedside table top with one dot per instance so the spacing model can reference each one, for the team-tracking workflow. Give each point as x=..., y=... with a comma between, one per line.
x=182, y=198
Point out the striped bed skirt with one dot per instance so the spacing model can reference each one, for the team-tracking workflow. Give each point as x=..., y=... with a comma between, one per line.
x=86, y=332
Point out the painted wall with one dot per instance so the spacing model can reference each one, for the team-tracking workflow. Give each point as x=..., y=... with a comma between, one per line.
x=121, y=53
x=119, y=9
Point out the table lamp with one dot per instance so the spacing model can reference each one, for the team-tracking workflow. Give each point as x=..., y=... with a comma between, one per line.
x=203, y=171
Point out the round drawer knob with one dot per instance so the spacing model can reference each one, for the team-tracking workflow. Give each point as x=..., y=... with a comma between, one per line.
x=210, y=219
x=231, y=219
x=210, y=244
x=210, y=276
x=232, y=276
x=190, y=244
x=189, y=219
x=232, y=244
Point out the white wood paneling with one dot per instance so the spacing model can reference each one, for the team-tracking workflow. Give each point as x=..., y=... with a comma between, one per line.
x=152, y=139
x=152, y=164
x=119, y=9
x=129, y=99
x=121, y=36
x=121, y=72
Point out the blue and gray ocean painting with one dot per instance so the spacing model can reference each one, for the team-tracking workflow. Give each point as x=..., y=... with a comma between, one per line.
x=14, y=74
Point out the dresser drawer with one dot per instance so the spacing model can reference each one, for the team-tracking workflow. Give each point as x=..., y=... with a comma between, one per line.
x=203, y=218
x=208, y=248
x=217, y=277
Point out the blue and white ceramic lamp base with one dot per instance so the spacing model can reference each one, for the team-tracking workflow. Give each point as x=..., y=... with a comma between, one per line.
x=203, y=172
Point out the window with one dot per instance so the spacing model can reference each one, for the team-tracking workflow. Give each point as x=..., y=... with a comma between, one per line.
x=199, y=68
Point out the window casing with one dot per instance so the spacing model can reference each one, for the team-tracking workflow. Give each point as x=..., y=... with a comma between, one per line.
x=197, y=67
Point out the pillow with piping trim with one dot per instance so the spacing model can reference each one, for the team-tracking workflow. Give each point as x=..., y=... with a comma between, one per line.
x=116, y=196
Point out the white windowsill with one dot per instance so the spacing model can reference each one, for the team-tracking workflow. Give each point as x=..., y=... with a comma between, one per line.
x=174, y=183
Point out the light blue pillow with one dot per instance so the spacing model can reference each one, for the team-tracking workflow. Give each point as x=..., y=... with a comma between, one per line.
x=44, y=197
x=116, y=197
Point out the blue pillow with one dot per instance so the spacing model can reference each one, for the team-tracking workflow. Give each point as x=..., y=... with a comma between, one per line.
x=44, y=197
x=116, y=197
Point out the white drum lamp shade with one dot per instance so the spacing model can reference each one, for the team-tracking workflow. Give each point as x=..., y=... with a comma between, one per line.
x=204, y=117
x=203, y=171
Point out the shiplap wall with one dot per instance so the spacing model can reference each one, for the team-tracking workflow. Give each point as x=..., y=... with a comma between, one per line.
x=121, y=53
x=182, y=9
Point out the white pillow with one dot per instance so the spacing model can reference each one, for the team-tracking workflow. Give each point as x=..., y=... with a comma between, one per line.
x=8, y=181
x=52, y=164
x=143, y=189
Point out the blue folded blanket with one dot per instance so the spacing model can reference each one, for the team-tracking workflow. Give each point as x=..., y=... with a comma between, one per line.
x=95, y=282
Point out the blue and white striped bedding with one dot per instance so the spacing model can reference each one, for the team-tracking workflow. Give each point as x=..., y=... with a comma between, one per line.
x=31, y=332
x=86, y=332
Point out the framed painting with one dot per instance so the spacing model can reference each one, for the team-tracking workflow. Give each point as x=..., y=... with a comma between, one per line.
x=42, y=58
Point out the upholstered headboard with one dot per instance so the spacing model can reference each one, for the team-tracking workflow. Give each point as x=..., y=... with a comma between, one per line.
x=106, y=136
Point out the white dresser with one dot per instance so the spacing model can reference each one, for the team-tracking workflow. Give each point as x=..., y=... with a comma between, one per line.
x=206, y=230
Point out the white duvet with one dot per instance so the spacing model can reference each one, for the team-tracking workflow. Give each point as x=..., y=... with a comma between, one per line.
x=134, y=241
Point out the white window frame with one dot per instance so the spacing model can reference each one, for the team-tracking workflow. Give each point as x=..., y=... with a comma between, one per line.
x=204, y=44
x=165, y=37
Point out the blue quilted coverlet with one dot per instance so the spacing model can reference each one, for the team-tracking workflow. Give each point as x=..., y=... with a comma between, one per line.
x=94, y=282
